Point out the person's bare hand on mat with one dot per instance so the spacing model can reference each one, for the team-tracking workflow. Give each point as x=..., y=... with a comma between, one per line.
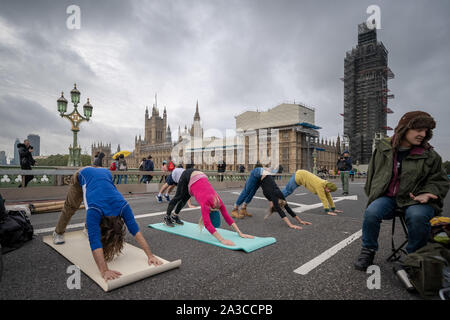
x=247, y=236
x=110, y=275
x=306, y=223
x=227, y=242
x=154, y=260
x=338, y=211
x=293, y=226
x=331, y=213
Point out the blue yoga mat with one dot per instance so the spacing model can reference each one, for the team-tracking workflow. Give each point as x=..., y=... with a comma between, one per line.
x=192, y=231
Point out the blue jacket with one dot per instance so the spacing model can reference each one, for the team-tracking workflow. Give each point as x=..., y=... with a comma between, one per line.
x=148, y=165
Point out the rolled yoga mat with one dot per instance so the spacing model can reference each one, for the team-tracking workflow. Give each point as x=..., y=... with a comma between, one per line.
x=192, y=231
x=132, y=263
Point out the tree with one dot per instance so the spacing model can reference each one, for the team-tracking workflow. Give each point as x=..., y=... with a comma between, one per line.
x=59, y=160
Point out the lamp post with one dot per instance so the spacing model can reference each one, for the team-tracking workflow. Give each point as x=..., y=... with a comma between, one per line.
x=75, y=118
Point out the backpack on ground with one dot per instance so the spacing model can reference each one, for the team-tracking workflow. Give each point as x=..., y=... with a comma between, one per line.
x=15, y=228
x=425, y=268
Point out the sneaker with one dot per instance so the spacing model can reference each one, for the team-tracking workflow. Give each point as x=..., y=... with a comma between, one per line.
x=244, y=213
x=168, y=221
x=235, y=214
x=167, y=197
x=58, y=238
x=365, y=259
x=176, y=219
x=159, y=198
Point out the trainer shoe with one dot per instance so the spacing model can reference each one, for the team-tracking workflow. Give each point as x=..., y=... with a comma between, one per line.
x=168, y=221
x=159, y=198
x=365, y=259
x=176, y=219
x=244, y=213
x=58, y=238
x=235, y=214
x=167, y=197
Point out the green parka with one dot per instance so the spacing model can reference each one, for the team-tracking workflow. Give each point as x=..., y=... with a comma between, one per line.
x=421, y=173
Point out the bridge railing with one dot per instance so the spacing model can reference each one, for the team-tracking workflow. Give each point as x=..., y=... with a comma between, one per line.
x=10, y=178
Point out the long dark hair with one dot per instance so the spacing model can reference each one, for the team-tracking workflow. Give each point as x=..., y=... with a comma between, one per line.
x=112, y=236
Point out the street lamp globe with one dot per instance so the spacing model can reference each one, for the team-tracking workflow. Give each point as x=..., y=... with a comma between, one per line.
x=75, y=95
x=87, y=109
x=62, y=104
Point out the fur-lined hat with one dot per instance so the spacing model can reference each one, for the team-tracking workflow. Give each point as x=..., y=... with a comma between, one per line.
x=414, y=120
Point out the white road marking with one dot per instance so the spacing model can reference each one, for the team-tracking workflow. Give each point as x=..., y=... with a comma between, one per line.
x=306, y=207
x=140, y=216
x=312, y=264
x=261, y=198
x=300, y=194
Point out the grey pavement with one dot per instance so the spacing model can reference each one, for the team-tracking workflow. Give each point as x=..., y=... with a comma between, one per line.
x=36, y=271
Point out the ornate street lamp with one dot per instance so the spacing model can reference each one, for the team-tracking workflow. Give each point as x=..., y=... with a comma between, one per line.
x=75, y=118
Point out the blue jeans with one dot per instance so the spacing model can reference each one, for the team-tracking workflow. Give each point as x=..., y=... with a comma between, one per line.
x=290, y=187
x=119, y=179
x=417, y=218
x=251, y=186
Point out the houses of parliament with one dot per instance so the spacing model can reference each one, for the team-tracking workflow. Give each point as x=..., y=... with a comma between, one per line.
x=291, y=125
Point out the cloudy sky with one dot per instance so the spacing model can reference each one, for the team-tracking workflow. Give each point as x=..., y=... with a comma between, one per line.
x=231, y=56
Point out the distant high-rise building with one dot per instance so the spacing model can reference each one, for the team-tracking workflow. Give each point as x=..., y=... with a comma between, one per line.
x=3, y=161
x=16, y=160
x=366, y=92
x=35, y=142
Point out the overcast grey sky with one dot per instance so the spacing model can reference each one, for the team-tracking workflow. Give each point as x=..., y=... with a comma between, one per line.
x=229, y=55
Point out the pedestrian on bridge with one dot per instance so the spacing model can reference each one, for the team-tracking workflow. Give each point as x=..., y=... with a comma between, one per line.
x=278, y=202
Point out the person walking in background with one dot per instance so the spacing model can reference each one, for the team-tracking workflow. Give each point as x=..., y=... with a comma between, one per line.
x=95, y=157
x=98, y=161
x=141, y=168
x=26, y=161
x=164, y=170
x=171, y=165
x=221, y=167
x=344, y=165
x=404, y=172
x=113, y=167
x=122, y=167
x=149, y=166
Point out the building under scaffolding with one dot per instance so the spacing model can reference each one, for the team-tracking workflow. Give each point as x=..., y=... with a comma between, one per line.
x=366, y=93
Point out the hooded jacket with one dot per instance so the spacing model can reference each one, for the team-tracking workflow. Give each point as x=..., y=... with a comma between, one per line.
x=26, y=159
x=422, y=172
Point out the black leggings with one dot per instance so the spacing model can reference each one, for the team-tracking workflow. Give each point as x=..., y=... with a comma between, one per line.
x=182, y=195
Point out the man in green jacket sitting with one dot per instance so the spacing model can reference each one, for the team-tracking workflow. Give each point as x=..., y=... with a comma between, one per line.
x=404, y=172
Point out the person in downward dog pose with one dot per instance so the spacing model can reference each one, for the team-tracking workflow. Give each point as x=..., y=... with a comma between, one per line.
x=107, y=213
x=278, y=202
x=194, y=182
x=251, y=186
x=315, y=185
